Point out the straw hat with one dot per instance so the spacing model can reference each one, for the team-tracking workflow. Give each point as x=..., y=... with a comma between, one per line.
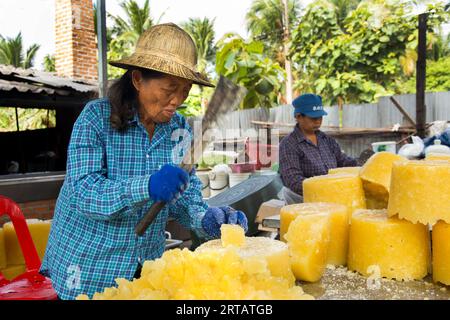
x=168, y=49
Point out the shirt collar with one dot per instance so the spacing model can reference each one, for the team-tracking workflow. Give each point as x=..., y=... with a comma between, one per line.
x=301, y=137
x=168, y=126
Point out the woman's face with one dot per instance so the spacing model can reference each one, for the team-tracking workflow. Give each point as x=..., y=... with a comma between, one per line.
x=159, y=98
x=309, y=125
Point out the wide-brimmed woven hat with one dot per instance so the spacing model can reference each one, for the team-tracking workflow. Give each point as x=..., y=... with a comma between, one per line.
x=168, y=49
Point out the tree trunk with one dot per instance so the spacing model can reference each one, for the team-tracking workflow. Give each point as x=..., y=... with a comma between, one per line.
x=287, y=63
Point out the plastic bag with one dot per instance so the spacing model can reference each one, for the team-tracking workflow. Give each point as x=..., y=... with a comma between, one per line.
x=412, y=150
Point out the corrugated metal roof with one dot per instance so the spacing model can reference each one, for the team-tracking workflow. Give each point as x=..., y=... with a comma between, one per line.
x=6, y=85
x=35, y=81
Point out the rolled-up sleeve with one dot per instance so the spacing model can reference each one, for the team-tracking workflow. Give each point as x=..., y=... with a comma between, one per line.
x=341, y=158
x=93, y=194
x=190, y=209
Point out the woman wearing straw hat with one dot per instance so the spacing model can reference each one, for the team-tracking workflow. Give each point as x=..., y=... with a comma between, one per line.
x=121, y=159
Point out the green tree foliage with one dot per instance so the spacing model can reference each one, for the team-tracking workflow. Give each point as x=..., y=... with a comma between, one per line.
x=343, y=8
x=137, y=19
x=11, y=52
x=369, y=56
x=265, y=23
x=126, y=31
x=245, y=63
x=438, y=77
x=49, y=63
x=440, y=46
x=203, y=34
x=29, y=119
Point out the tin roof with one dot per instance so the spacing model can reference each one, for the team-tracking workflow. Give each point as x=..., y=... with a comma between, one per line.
x=30, y=80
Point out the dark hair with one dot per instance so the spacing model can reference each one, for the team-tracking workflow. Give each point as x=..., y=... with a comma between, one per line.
x=122, y=96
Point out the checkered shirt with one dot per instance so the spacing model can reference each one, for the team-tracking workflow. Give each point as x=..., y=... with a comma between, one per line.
x=301, y=159
x=105, y=194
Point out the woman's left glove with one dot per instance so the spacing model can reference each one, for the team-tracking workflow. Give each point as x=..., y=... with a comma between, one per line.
x=216, y=216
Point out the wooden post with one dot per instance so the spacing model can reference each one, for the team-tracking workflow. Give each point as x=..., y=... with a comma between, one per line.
x=101, y=43
x=421, y=112
x=403, y=112
x=287, y=61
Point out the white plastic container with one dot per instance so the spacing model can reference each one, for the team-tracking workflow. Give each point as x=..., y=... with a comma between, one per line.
x=236, y=178
x=204, y=178
x=218, y=179
x=218, y=182
x=437, y=148
x=388, y=146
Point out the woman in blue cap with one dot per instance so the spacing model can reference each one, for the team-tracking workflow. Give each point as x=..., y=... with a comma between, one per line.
x=307, y=151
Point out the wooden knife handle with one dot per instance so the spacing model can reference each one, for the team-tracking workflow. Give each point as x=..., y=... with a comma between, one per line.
x=149, y=217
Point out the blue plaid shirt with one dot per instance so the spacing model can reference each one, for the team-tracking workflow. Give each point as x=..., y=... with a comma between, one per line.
x=301, y=159
x=105, y=194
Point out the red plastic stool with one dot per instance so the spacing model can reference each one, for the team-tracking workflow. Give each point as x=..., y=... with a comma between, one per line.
x=31, y=285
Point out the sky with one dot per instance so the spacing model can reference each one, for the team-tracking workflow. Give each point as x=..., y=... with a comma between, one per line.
x=36, y=18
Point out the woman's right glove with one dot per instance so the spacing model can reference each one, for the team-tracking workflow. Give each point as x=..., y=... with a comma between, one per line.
x=168, y=183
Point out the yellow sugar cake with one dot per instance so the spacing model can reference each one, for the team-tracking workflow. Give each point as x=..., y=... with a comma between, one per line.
x=397, y=248
x=13, y=271
x=342, y=188
x=3, y=261
x=351, y=170
x=376, y=178
x=308, y=238
x=438, y=156
x=420, y=191
x=39, y=230
x=232, y=235
x=339, y=220
x=274, y=252
x=206, y=274
x=441, y=252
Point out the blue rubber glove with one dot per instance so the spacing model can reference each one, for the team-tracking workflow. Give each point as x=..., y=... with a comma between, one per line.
x=216, y=216
x=168, y=183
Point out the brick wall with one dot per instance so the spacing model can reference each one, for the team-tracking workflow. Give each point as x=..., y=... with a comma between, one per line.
x=76, y=47
x=42, y=210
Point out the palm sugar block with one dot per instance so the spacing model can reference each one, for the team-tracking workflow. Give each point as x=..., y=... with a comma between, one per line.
x=441, y=252
x=376, y=178
x=308, y=238
x=228, y=268
x=39, y=230
x=339, y=224
x=342, y=188
x=420, y=191
x=398, y=248
x=351, y=170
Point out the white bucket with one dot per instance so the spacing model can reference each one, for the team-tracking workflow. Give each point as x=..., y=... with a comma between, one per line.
x=388, y=146
x=218, y=182
x=236, y=178
x=204, y=178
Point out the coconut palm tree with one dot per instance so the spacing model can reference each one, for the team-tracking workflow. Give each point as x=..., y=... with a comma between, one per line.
x=343, y=8
x=11, y=52
x=203, y=34
x=265, y=22
x=137, y=20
